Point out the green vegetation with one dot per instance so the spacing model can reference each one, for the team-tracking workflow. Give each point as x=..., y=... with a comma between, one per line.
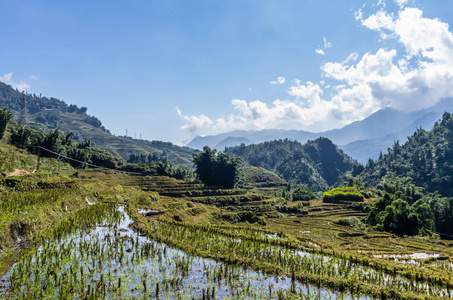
x=216, y=169
x=5, y=117
x=266, y=239
x=343, y=194
x=403, y=208
x=312, y=255
x=316, y=164
x=426, y=158
x=303, y=194
x=256, y=177
x=50, y=113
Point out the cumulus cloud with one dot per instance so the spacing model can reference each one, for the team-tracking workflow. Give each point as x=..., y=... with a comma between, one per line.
x=308, y=109
x=21, y=86
x=280, y=80
x=416, y=76
x=412, y=80
x=194, y=123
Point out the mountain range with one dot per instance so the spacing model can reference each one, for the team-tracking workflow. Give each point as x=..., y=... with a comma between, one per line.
x=362, y=140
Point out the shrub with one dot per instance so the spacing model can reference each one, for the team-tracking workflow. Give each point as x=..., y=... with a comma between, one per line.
x=353, y=222
x=343, y=194
x=148, y=199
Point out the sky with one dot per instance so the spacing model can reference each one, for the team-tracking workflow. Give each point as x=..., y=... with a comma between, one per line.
x=171, y=70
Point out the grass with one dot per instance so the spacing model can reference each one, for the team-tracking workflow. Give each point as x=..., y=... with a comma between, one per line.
x=316, y=250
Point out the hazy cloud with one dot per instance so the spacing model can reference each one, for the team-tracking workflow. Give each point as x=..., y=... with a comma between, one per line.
x=320, y=51
x=327, y=44
x=401, y=3
x=6, y=78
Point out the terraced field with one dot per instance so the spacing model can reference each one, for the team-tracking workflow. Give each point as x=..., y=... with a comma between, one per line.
x=258, y=245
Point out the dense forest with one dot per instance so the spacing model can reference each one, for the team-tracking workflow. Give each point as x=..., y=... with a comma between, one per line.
x=317, y=164
x=426, y=158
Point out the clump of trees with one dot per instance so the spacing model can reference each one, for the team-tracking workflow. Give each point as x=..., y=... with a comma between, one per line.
x=216, y=169
x=403, y=209
x=303, y=194
x=179, y=172
x=151, y=158
x=5, y=117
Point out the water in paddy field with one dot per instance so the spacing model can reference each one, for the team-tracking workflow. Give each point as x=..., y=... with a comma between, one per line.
x=112, y=261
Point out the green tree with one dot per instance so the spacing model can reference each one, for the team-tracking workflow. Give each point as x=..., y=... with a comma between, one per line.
x=303, y=194
x=216, y=169
x=5, y=117
x=21, y=137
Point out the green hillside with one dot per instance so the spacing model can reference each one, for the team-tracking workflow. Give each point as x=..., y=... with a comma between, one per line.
x=50, y=113
x=316, y=164
x=427, y=158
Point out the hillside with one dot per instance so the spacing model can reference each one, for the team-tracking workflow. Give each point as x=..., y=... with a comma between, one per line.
x=317, y=163
x=51, y=113
x=426, y=157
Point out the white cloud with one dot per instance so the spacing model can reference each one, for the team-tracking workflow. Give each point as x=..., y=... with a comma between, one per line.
x=359, y=15
x=416, y=76
x=401, y=3
x=413, y=80
x=380, y=21
x=327, y=44
x=195, y=123
x=320, y=51
x=309, y=91
x=33, y=77
x=280, y=80
x=6, y=78
x=21, y=86
x=281, y=114
x=382, y=3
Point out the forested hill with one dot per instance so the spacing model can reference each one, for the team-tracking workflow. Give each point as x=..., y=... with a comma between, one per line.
x=427, y=157
x=317, y=163
x=51, y=113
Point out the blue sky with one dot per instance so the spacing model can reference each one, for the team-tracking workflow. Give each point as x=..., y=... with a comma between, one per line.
x=171, y=70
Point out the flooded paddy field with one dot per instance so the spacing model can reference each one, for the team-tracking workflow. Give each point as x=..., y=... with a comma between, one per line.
x=110, y=260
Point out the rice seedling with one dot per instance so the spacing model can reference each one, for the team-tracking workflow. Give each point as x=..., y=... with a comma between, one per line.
x=96, y=256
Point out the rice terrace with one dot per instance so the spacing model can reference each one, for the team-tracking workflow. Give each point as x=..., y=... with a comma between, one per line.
x=95, y=234
x=247, y=150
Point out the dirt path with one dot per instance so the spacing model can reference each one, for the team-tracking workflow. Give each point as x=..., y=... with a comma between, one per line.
x=18, y=172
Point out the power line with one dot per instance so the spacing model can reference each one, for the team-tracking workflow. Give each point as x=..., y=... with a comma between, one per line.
x=88, y=164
